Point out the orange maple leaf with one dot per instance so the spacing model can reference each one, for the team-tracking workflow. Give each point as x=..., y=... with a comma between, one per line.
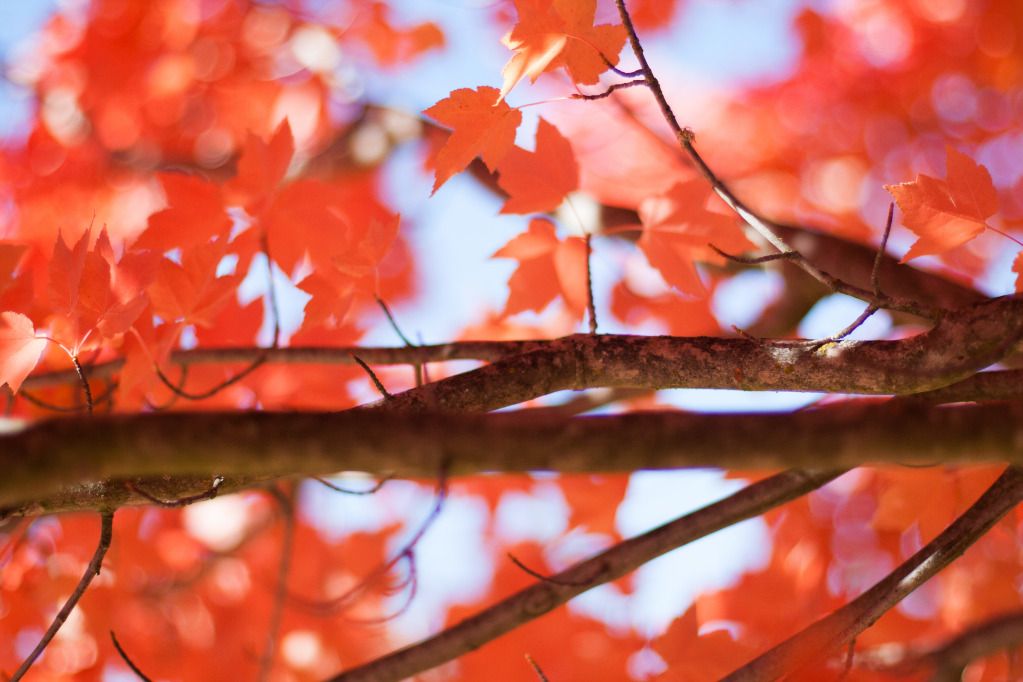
x=547, y=267
x=80, y=291
x=192, y=292
x=678, y=229
x=194, y=214
x=560, y=33
x=946, y=213
x=537, y=182
x=695, y=657
x=261, y=168
x=481, y=124
x=20, y=349
x=391, y=45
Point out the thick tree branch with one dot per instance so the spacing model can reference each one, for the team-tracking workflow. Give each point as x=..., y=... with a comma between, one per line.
x=44, y=460
x=965, y=342
x=542, y=597
x=831, y=632
x=957, y=347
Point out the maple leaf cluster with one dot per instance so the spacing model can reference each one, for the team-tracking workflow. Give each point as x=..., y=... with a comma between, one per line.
x=96, y=299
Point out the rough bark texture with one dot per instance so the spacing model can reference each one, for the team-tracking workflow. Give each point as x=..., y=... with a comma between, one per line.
x=41, y=462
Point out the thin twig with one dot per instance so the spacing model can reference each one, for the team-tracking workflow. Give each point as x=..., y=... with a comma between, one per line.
x=397, y=330
x=85, y=383
x=407, y=553
x=590, y=305
x=372, y=375
x=766, y=228
x=103, y=398
x=369, y=491
x=207, y=494
x=538, y=575
x=286, y=504
x=607, y=93
x=92, y=570
x=271, y=290
x=124, y=657
x=536, y=668
x=612, y=67
x=875, y=272
x=849, y=329
x=843, y=624
x=393, y=322
x=875, y=284
x=755, y=260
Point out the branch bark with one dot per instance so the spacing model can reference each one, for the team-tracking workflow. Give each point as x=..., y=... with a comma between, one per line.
x=546, y=595
x=831, y=632
x=87, y=454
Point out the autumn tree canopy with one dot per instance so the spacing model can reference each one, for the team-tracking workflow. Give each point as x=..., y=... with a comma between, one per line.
x=230, y=451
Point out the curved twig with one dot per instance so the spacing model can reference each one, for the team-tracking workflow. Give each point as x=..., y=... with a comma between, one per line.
x=91, y=571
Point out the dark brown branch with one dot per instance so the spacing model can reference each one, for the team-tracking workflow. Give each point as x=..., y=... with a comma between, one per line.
x=91, y=571
x=959, y=346
x=96, y=495
x=999, y=385
x=611, y=564
x=486, y=351
x=948, y=660
x=52, y=456
x=829, y=633
x=127, y=661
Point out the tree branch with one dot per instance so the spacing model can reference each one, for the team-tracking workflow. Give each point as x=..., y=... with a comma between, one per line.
x=957, y=347
x=831, y=632
x=326, y=355
x=546, y=595
x=948, y=659
x=41, y=461
x=963, y=343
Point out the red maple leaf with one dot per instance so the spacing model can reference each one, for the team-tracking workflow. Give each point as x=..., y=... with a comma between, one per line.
x=554, y=33
x=946, y=213
x=194, y=215
x=548, y=267
x=482, y=125
x=82, y=295
x=537, y=182
x=678, y=229
x=191, y=292
x=20, y=349
x=261, y=168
